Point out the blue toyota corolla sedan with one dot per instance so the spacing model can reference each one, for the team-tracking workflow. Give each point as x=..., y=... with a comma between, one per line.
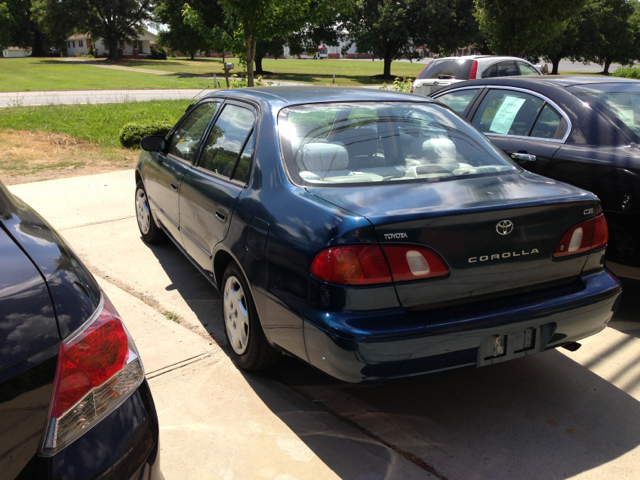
x=372, y=234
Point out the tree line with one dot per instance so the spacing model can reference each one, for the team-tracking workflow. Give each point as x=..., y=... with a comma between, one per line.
x=600, y=31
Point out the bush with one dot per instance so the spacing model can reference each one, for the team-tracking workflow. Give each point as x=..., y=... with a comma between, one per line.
x=627, y=72
x=133, y=132
x=400, y=84
x=158, y=53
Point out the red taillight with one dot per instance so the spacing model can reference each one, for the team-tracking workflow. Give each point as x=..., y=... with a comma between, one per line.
x=97, y=370
x=351, y=265
x=590, y=235
x=412, y=263
x=474, y=70
x=366, y=265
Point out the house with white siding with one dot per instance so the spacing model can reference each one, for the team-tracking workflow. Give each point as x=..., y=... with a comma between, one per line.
x=80, y=44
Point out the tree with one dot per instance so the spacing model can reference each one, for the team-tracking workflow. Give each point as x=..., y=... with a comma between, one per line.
x=561, y=46
x=273, y=47
x=15, y=19
x=391, y=28
x=180, y=35
x=515, y=28
x=605, y=33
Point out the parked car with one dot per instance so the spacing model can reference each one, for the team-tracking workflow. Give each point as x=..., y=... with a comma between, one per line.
x=582, y=130
x=53, y=52
x=74, y=402
x=372, y=234
x=442, y=72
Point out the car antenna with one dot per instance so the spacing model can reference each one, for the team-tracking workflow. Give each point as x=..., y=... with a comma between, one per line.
x=194, y=97
x=205, y=88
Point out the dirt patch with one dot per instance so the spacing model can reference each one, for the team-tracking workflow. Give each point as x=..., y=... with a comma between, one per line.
x=33, y=156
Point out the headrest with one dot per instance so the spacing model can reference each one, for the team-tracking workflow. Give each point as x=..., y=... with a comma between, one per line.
x=440, y=150
x=323, y=157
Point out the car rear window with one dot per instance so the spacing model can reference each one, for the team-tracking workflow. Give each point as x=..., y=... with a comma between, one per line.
x=458, y=69
x=620, y=102
x=347, y=143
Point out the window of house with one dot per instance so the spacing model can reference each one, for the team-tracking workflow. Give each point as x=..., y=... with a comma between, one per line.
x=74, y=44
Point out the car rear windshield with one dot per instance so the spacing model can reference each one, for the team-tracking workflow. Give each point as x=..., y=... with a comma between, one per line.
x=458, y=69
x=620, y=102
x=347, y=143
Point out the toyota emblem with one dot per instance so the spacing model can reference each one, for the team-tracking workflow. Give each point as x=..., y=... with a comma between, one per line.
x=505, y=227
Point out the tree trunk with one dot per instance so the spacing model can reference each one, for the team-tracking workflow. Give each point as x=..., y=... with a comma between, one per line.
x=37, y=49
x=192, y=56
x=258, y=69
x=555, y=64
x=607, y=64
x=114, y=52
x=387, y=66
x=251, y=53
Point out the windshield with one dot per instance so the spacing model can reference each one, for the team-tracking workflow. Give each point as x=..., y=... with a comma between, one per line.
x=350, y=143
x=459, y=69
x=618, y=101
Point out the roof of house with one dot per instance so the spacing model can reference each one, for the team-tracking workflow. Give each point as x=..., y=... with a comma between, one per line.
x=79, y=36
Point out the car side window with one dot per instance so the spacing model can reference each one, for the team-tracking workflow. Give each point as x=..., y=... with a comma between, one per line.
x=491, y=72
x=549, y=125
x=526, y=69
x=507, y=112
x=507, y=69
x=459, y=100
x=244, y=164
x=186, y=138
x=227, y=137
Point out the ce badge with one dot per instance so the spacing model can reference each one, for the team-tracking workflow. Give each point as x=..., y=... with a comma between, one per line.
x=505, y=227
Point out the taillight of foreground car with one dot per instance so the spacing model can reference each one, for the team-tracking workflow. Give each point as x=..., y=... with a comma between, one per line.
x=368, y=265
x=98, y=368
x=583, y=237
x=474, y=70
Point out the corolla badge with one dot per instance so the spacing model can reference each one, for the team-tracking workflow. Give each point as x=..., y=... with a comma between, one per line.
x=504, y=227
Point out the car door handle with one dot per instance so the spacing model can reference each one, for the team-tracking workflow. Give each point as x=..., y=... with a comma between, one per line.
x=221, y=214
x=174, y=187
x=523, y=157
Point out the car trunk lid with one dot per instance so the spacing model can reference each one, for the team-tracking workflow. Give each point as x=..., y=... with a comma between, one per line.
x=459, y=221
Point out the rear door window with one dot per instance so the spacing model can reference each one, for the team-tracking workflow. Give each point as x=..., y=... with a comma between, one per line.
x=226, y=140
x=507, y=69
x=507, y=112
x=549, y=124
x=459, y=100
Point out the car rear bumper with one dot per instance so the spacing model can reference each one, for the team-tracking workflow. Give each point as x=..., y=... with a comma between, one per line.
x=124, y=445
x=461, y=337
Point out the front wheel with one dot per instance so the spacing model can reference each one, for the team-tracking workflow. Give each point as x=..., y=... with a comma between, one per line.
x=150, y=232
x=249, y=347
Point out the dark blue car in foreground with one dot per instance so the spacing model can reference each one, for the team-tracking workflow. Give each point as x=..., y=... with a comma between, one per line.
x=74, y=402
x=372, y=234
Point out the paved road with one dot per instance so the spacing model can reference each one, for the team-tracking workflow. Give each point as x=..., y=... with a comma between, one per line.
x=551, y=416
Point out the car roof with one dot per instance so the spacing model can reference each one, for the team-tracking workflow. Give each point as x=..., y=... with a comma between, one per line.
x=530, y=81
x=478, y=57
x=295, y=95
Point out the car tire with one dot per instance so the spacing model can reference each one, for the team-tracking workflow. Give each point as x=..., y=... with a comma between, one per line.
x=150, y=232
x=248, y=346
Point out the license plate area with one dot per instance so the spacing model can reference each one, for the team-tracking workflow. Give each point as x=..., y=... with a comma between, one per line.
x=507, y=346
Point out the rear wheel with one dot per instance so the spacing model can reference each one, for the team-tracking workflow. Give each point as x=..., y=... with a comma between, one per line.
x=249, y=347
x=150, y=232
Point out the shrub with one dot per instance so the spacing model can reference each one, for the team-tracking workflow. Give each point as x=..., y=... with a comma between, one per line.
x=627, y=72
x=400, y=84
x=133, y=132
x=158, y=53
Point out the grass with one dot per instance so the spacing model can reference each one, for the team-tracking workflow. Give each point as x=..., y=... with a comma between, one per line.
x=96, y=123
x=41, y=143
x=31, y=74
x=172, y=316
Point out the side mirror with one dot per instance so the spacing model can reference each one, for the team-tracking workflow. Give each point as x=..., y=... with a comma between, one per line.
x=153, y=143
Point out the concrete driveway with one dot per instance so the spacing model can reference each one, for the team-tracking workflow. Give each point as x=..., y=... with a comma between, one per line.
x=556, y=415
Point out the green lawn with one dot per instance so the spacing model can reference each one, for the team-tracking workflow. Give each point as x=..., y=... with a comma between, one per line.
x=95, y=123
x=31, y=74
